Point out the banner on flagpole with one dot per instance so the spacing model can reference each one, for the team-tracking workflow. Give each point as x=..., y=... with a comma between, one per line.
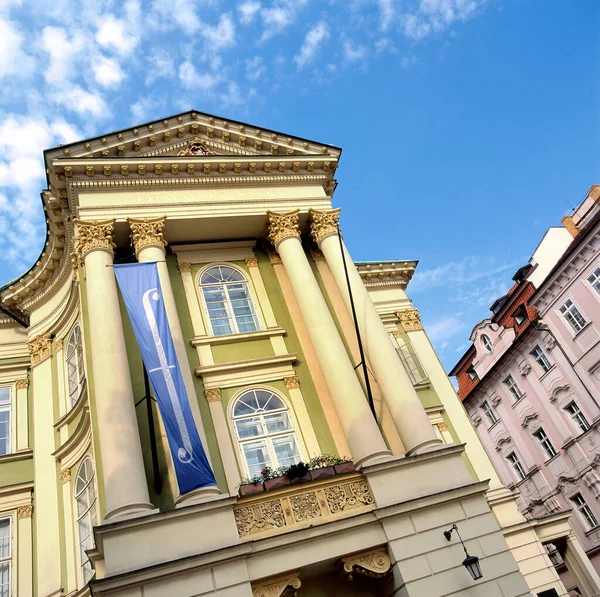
x=140, y=287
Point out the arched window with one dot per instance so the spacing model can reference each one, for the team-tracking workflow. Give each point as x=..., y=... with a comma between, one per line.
x=228, y=301
x=487, y=343
x=265, y=431
x=75, y=372
x=85, y=498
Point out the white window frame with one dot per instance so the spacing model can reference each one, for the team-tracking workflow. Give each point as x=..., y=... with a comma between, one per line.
x=585, y=512
x=252, y=301
x=90, y=514
x=572, y=315
x=488, y=411
x=513, y=388
x=487, y=343
x=9, y=558
x=524, y=318
x=595, y=283
x=516, y=465
x=545, y=443
x=295, y=430
x=9, y=407
x=577, y=417
x=410, y=359
x=79, y=364
x=472, y=373
x=541, y=359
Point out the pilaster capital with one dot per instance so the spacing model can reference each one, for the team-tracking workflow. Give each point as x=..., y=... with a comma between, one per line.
x=252, y=262
x=410, y=319
x=25, y=511
x=213, y=394
x=22, y=384
x=374, y=564
x=65, y=476
x=324, y=224
x=279, y=586
x=94, y=235
x=292, y=382
x=147, y=232
x=40, y=348
x=282, y=225
x=184, y=267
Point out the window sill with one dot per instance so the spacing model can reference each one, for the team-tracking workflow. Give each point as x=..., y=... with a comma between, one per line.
x=16, y=456
x=547, y=462
x=585, y=327
x=516, y=402
x=592, y=530
x=546, y=372
x=231, y=338
x=493, y=425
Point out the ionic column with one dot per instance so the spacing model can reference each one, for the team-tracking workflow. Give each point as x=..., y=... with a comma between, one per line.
x=406, y=409
x=364, y=438
x=149, y=245
x=122, y=463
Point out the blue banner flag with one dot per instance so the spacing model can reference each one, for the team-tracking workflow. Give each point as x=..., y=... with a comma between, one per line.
x=140, y=287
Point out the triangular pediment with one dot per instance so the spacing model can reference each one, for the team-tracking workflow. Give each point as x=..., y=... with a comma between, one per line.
x=174, y=135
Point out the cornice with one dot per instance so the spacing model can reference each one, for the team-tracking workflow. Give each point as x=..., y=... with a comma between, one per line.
x=387, y=273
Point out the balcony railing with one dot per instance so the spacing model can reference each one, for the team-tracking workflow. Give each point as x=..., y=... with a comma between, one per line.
x=302, y=506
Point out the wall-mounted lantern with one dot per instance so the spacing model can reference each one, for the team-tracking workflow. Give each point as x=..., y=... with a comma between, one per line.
x=471, y=563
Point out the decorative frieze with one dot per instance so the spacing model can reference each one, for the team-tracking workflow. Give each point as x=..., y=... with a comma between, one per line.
x=410, y=319
x=282, y=226
x=25, y=511
x=94, y=235
x=281, y=586
x=184, y=267
x=65, y=476
x=252, y=262
x=58, y=345
x=40, y=348
x=373, y=564
x=22, y=384
x=147, y=232
x=292, y=382
x=324, y=224
x=213, y=394
x=293, y=509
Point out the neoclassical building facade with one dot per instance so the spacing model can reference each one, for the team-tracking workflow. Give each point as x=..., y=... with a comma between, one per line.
x=263, y=304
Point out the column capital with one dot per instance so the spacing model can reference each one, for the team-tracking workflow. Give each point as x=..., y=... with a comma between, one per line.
x=184, y=267
x=147, y=232
x=292, y=382
x=22, y=384
x=94, y=235
x=213, y=394
x=282, y=225
x=25, y=511
x=410, y=319
x=278, y=586
x=65, y=476
x=324, y=223
x=40, y=348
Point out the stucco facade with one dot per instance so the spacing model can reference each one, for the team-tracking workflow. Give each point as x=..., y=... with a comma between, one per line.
x=89, y=501
x=528, y=385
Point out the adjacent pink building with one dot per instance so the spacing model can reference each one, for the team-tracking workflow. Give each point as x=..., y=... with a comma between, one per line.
x=531, y=379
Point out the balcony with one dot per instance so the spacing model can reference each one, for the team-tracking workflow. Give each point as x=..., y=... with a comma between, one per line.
x=301, y=506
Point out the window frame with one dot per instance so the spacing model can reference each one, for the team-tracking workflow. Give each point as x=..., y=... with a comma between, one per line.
x=487, y=343
x=545, y=443
x=489, y=413
x=9, y=558
x=541, y=358
x=81, y=377
x=91, y=514
x=472, y=373
x=578, y=418
x=520, y=312
x=410, y=359
x=10, y=408
x=571, y=316
x=517, y=465
x=585, y=512
x=294, y=425
x=251, y=295
x=512, y=387
x=595, y=285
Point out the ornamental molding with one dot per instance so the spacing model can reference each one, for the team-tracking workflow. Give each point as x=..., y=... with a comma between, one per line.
x=282, y=225
x=251, y=262
x=65, y=476
x=147, y=232
x=292, y=382
x=476, y=420
x=22, y=384
x=410, y=319
x=506, y=440
x=397, y=334
x=560, y=392
x=25, y=511
x=316, y=254
x=550, y=343
x=372, y=564
x=58, y=345
x=274, y=257
x=524, y=368
x=442, y=426
x=528, y=419
x=496, y=400
x=213, y=394
x=281, y=586
x=324, y=224
x=184, y=267
x=94, y=235
x=40, y=348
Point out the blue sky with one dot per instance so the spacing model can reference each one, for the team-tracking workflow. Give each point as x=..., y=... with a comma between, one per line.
x=468, y=126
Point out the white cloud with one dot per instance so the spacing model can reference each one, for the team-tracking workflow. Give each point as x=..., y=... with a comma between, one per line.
x=255, y=68
x=276, y=20
x=388, y=12
x=220, y=36
x=61, y=50
x=408, y=61
x=115, y=34
x=14, y=60
x=445, y=328
x=433, y=16
x=354, y=53
x=385, y=44
x=316, y=36
x=179, y=13
x=248, y=11
x=191, y=79
x=83, y=102
x=160, y=64
x=108, y=72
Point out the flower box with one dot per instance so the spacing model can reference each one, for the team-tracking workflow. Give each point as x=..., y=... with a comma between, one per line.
x=276, y=483
x=251, y=488
x=322, y=473
x=345, y=467
x=302, y=479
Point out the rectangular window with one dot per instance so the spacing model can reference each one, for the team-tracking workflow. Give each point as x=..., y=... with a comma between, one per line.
x=573, y=316
x=489, y=413
x=411, y=361
x=5, y=557
x=541, y=359
x=545, y=442
x=513, y=388
x=5, y=414
x=594, y=280
x=520, y=315
x=578, y=417
x=472, y=373
x=516, y=464
x=584, y=511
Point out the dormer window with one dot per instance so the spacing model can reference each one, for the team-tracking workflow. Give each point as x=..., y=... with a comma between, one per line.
x=472, y=373
x=520, y=315
x=487, y=343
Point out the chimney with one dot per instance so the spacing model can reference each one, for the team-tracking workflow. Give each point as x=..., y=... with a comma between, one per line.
x=570, y=225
